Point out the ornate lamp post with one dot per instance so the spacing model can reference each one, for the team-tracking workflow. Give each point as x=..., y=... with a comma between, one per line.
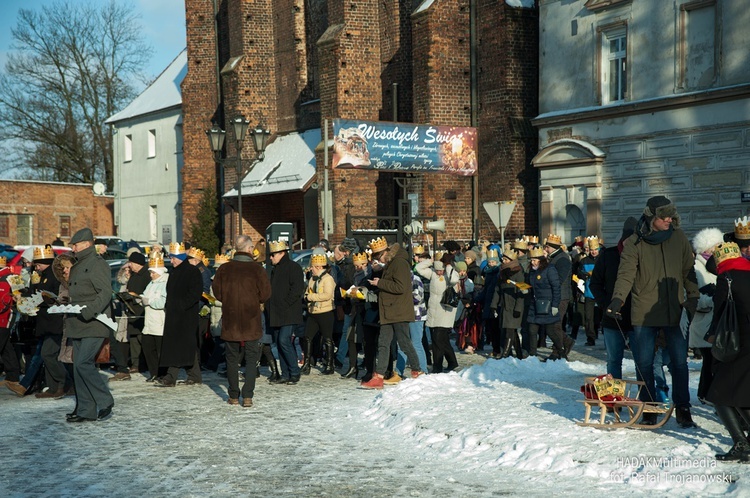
x=216, y=138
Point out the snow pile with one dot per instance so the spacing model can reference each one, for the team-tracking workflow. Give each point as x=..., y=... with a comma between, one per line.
x=522, y=415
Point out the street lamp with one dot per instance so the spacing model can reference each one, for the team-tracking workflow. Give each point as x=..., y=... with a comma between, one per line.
x=216, y=138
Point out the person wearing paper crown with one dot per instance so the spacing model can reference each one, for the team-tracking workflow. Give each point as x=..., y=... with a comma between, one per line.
x=544, y=308
x=560, y=259
x=90, y=286
x=509, y=301
x=179, y=346
x=656, y=269
x=395, y=308
x=490, y=324
x=320, y=317
x=197, y=257
x=584, y=269
x=285, y=307
x=49, y=327
x=355, y=295
x=154, y=298
x=7, y=351
x=730, y=388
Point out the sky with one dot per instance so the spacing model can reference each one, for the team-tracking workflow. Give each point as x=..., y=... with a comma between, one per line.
x=163, y=23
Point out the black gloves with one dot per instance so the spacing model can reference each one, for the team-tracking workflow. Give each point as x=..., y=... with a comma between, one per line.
x=708, y=289
x=613, y=310
x=516, y=314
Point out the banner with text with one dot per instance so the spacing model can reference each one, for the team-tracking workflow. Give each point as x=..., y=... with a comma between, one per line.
x=404, y=147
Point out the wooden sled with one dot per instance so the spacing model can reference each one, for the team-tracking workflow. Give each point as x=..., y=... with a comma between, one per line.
x=625, y=412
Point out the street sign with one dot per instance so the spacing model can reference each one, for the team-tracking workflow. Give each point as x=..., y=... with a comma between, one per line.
x=500, y=212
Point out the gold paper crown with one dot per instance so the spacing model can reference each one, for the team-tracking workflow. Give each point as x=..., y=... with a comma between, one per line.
x=176, y=248
x=156, y=260
x=379, y=244
x=554, y=239
x=439, y=255
x=725, y=251
x=593, y=242
x=418, y=249
x=537, y=252
x=43, y=253
x=531, y=239
x=507, y=247
x=205, y=260
x=510, y=255
x=220, y=259
x=3, y=261
x=196, y=253
x=278, y=246
x=318, y=259
x=742, y=228
x=579, y=238
x=520, y=244
x=360, y=258
x=492, y=253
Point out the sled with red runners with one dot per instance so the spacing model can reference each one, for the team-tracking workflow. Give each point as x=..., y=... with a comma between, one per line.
x=619, y=404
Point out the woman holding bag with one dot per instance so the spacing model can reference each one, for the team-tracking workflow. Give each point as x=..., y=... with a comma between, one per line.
x=439, y=316
x=730, y=387
x=545, y=283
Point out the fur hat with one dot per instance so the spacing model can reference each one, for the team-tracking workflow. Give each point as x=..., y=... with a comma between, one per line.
x=706, y=239
x=661, y=207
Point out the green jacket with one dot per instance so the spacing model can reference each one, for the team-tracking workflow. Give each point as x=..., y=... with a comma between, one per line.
x=394, y=296
x=90, y=285
x=658, y=277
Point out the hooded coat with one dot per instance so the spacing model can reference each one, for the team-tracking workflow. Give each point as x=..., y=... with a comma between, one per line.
x=184, y=289
x=395, y=303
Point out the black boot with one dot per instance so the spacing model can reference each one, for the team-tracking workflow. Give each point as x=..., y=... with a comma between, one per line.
x=507, y=347
x=517, y=346
x=307, y=351
x=275, y=374
x=329, y=368
x=740, y=452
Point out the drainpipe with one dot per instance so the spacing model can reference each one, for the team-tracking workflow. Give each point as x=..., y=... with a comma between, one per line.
x=474, y=104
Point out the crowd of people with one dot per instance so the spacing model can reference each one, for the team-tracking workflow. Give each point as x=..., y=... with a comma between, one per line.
x=653, y=292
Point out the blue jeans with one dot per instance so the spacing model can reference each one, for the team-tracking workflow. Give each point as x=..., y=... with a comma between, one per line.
x=282, y=336
x=416, y=330
x=344, y=342
x=34, y=367
x=614, y=342
x=661, y=360
x=642, y=342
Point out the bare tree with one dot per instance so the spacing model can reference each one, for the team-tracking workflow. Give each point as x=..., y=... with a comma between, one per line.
x=70, y=68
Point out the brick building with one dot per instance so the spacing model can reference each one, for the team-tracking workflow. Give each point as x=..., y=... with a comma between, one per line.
x=34, y=212
x=292, y=64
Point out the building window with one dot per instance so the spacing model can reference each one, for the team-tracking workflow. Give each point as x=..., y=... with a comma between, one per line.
x=613, y=64
x=64, y=226
x=4, y=226
x=151, y=143
x=128, y=152
x=697, y=45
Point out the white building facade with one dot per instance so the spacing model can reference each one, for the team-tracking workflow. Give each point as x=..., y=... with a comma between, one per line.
x=148, y=160
x=641, y=98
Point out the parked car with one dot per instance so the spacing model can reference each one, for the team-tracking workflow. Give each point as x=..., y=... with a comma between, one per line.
x=302, y=257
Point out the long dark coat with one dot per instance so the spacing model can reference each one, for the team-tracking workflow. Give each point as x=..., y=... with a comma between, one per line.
x=508, y=298
x=48, y=324
x=731, y=382
x=184, y=289
x=546, y=285
x=602, y=285
x=242, y=286
x=287, y=289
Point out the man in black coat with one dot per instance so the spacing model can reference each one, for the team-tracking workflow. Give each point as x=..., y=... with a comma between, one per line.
x=179, y=348
x=49, y=328
x=285, y=308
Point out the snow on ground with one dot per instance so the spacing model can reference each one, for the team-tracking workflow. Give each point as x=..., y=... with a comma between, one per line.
x=497, y=427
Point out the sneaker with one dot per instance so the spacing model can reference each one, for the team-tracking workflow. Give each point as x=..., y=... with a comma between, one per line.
x=392, y=380
x=375, y=383
x=120, y=376
x=684, y=419
x=469, y=350
x=416, y=373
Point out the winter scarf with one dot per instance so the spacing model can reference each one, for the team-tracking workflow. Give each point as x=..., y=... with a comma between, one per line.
x=740, y=264
x=644, y=232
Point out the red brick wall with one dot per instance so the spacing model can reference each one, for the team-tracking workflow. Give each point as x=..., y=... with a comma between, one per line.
x=46, y=202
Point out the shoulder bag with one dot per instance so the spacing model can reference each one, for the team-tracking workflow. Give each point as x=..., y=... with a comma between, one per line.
x=726, y=331
x=450, y=296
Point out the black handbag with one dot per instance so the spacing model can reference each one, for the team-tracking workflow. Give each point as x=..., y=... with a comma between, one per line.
x=726, y=331
x=543, y=306
x=450, y=297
